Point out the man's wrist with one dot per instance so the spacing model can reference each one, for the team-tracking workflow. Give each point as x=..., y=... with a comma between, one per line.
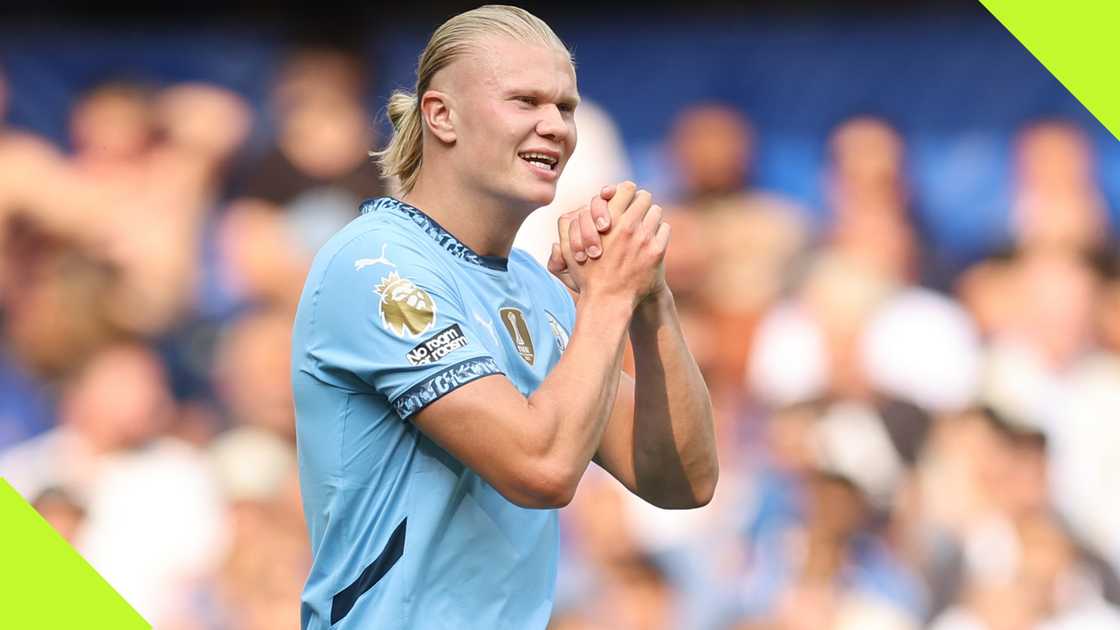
x=654, y=308
x=605, y=307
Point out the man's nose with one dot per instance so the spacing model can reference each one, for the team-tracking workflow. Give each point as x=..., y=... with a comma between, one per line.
x=551, y=124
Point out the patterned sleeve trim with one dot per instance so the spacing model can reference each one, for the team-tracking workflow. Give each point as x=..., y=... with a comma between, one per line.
x=442, y=383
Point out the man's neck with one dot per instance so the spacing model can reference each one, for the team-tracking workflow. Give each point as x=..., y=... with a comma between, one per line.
x=481, y=222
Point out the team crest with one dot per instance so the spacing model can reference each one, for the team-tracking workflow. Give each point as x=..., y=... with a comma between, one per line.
x=404, y=306
x=558, y=332
x=518, y=330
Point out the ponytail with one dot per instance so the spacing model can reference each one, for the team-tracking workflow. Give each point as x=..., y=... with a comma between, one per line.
x=402, y=157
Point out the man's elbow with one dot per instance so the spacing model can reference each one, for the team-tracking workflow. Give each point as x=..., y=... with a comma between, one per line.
x=706, y=489
x=543, y=487
x=698, y=492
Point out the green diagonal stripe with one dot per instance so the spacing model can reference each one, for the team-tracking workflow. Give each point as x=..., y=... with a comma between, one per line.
x=1077, y=41
x=45, y=584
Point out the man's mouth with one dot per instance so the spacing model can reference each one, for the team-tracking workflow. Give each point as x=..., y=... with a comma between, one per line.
x=540, y=160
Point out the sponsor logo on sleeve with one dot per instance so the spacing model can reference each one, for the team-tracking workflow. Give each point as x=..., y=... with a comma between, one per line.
x=437, y=346
x=406, y=309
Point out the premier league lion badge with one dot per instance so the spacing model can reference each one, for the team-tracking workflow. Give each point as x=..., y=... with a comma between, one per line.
x=404, y=306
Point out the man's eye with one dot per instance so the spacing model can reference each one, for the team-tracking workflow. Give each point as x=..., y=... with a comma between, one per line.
x=528, y=100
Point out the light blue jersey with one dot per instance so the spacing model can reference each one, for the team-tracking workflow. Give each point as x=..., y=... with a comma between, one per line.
x=395, y=314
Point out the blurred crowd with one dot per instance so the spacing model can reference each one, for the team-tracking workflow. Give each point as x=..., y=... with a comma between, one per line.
x=906, y=441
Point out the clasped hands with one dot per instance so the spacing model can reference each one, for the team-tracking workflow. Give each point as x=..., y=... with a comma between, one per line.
x=614, y=246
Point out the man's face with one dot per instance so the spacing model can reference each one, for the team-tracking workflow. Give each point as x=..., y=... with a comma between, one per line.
x=513, y=108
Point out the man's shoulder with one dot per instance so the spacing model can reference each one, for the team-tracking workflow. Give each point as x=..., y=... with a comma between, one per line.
x=372, y=239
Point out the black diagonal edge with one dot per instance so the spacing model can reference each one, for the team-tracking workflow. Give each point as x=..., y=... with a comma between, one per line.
x=346, y=598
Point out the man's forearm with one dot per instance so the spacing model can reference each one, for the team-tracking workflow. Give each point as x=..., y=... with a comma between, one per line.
x=675, y=461
x=575, y=400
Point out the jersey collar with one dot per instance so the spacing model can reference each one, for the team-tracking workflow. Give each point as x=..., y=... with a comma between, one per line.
x=433, y=229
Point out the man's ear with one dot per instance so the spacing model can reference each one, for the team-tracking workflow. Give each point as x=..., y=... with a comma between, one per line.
x=435, y=111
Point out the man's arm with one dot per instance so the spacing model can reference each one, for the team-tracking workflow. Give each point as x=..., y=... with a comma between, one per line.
x=534, y=450
x=660, y=442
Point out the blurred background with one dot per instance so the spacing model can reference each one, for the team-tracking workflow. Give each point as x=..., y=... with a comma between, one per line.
x=894, y=254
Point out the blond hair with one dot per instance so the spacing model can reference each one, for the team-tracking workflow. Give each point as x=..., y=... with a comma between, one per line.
x=404, y=154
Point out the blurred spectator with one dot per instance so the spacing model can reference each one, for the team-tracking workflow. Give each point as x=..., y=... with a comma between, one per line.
x=982, y=481
x=1085, y=442
x=1044, y=586
x=257, y=586
x=251, y=372
x=110, y=455
x=56, y=298
x=823, y=326
x=869, y=198
x=204, y=122
x=834, y=471
x=713, y=146
x=594, y=535
x=640, y=596
x=252, y=377
x=319, y=169
x=872, y=212
x=264, y=258
x=923, y=347
x=112, y=127
x=139, y=188
x=1049, y=332
x=1056, y=201
x=733, y=245
x=983, y=289
x=29, y=172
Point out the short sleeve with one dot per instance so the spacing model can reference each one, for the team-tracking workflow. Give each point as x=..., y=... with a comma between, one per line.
x=390, y=319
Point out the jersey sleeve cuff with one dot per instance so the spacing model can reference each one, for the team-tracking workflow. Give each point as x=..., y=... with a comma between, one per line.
x=442, y=383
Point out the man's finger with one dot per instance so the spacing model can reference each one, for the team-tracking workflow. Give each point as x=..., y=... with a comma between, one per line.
x=652, y=220
x=608, y=191
x=563, y=227
x=622, y=198
x=661, y=238
x=589, y=236
x=601, y=212
x=575, y=242
x=637, y=208
x=562, y=223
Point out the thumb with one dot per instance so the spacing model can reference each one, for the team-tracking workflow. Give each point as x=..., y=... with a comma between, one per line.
x=556, y=263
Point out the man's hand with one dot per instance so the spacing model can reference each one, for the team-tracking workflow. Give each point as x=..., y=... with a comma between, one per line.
x=591, y=243
x=629, y=258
